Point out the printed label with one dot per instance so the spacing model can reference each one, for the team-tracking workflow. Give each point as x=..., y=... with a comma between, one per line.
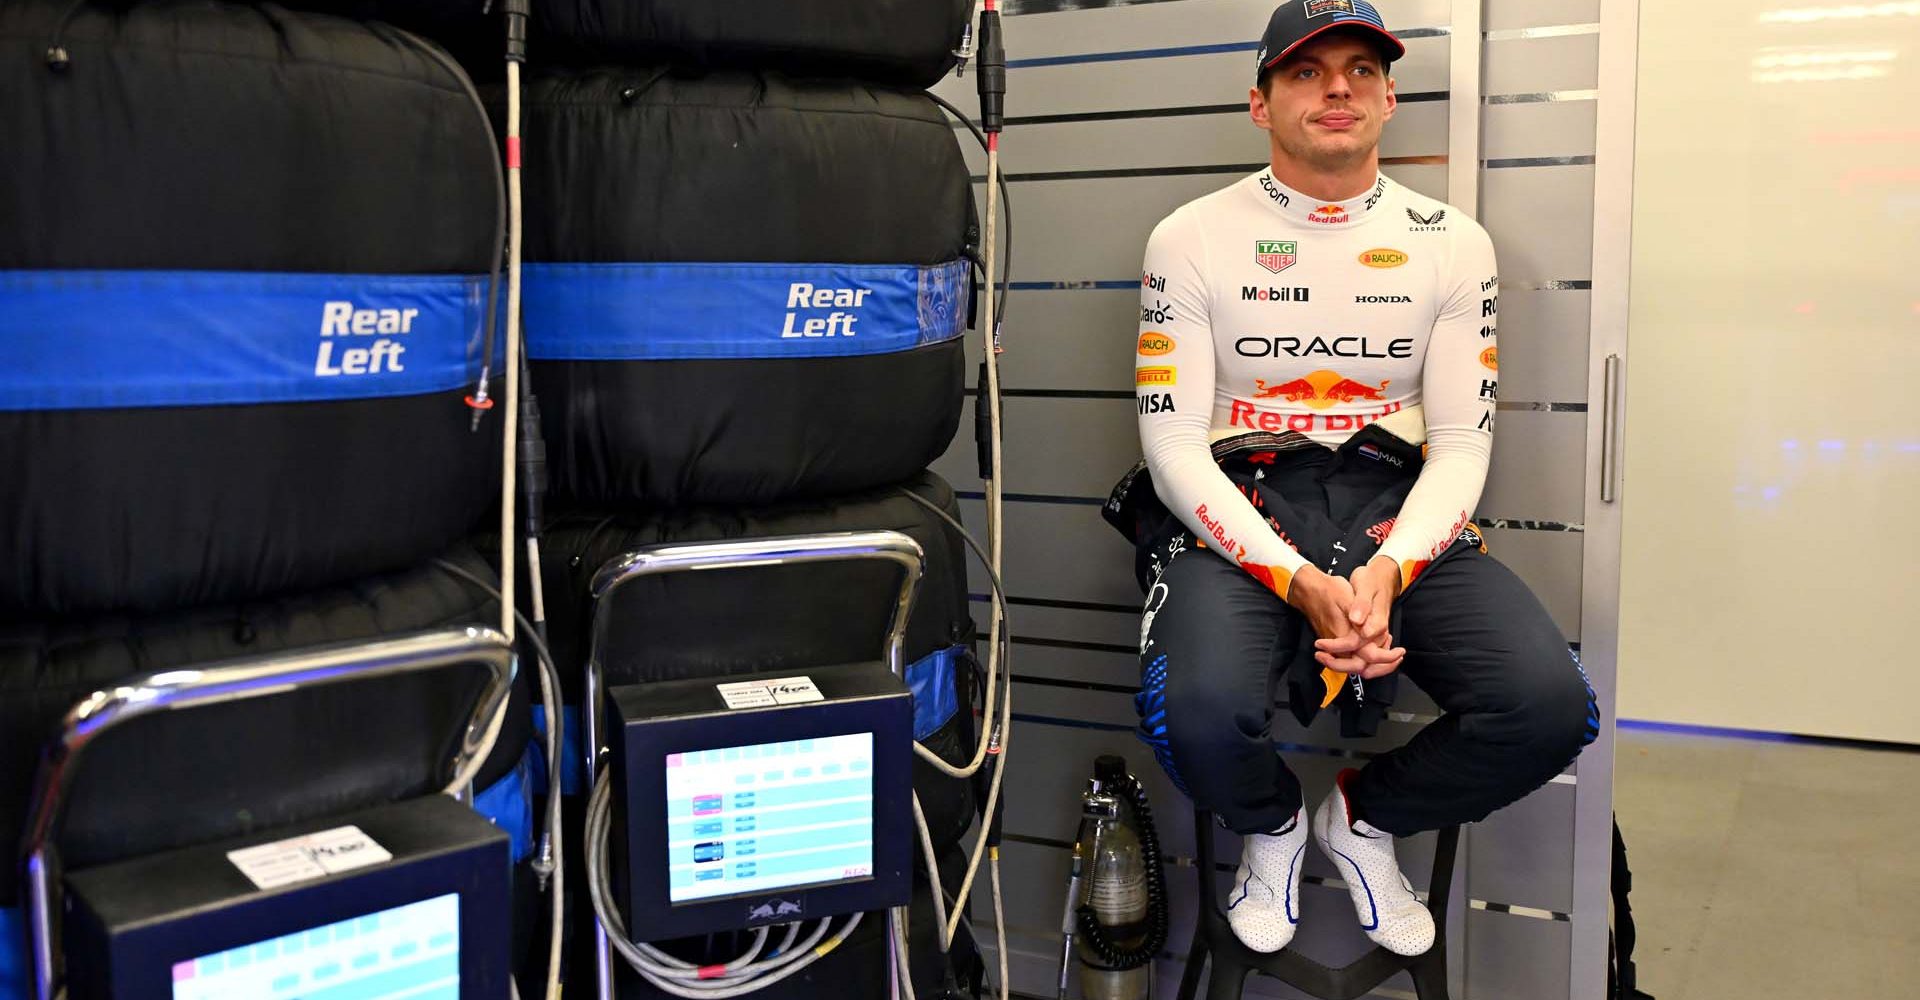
x=301, y=859
x=765, y=694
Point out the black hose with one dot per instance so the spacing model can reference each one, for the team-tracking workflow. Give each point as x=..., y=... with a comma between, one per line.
x=1094, y=935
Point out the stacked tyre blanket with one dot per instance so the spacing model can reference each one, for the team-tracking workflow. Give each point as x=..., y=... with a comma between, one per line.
x=244, y=264
x=246, y=280
x=750, y=244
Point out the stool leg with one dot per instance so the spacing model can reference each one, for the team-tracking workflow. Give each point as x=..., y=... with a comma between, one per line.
x=1429, y=973
x=1196, y=961
x=1228, y=980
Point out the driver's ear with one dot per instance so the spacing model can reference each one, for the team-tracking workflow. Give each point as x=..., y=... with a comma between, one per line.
x=1393, y=101
x=1257, y=109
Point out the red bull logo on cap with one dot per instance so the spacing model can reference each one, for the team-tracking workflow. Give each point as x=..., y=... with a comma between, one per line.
x=1275, y=255
x=1321, y=389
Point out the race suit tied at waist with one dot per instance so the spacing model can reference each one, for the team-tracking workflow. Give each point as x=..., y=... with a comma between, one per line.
x=1334, y=506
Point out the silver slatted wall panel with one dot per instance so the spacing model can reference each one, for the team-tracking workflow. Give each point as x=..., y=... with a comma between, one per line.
x=1119, y=111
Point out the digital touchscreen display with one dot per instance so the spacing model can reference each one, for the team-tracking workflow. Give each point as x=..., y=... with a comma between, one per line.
x=410, y=951
x=769, y=816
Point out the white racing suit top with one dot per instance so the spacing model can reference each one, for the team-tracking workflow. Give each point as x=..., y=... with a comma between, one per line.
x=1262, y=309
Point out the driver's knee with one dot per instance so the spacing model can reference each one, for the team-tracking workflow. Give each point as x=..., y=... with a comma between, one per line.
x=1549, y=715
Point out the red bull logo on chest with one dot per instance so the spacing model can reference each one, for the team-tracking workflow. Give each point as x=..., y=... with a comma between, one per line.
x=1322, y=389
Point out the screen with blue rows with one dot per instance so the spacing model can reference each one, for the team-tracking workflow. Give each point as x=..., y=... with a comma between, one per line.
x=769, y=816
x=410, y=951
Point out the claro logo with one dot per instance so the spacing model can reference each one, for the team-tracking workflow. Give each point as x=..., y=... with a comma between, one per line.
x=1382, y=257
x=1153, y=344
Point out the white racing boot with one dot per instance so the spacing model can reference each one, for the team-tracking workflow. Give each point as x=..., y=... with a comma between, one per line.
x=1383, y=899
x=1264, y=907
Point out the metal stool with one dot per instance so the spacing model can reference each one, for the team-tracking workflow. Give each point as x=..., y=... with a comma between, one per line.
x=1232, y=961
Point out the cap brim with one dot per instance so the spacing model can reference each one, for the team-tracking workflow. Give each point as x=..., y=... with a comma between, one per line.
x=1398, y=50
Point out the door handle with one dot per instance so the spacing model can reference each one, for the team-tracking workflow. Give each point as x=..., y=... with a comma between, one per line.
x=1610, y=431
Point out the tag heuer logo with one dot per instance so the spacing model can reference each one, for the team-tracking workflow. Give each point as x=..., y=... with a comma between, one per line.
x=1274, y=255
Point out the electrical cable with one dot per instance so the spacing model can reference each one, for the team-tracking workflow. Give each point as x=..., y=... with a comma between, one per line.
x=549, y=675
x=994, y=654
x=1006, y=220
x=991, y=84
x=933, y=873
x=502, y=209
x=897, y=948
x=509, y=465
x=1000, y=926
x=743, y=975
x=993, y=737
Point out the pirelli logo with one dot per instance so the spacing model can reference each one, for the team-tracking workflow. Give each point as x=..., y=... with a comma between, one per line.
x=1155, y=376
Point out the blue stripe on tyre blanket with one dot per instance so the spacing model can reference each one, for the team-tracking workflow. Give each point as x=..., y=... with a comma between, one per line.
x=508, y=804
x=107, y=339
x=646, y=312
x=936, y=693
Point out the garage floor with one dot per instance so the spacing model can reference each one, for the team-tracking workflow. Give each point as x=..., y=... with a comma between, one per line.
x=1767, y=869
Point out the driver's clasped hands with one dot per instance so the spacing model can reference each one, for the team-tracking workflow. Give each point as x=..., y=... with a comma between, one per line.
x=1350, y=616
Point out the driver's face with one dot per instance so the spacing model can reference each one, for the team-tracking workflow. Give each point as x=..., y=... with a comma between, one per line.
x=1327, y=103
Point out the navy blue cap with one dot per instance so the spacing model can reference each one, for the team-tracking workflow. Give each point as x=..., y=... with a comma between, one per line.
x=1296, y=21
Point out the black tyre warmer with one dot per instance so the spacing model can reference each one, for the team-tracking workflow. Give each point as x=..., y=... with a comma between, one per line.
x=723, y=622
x=241, y=297
x=741, y=289
x=267, y=762
x=907, y=42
